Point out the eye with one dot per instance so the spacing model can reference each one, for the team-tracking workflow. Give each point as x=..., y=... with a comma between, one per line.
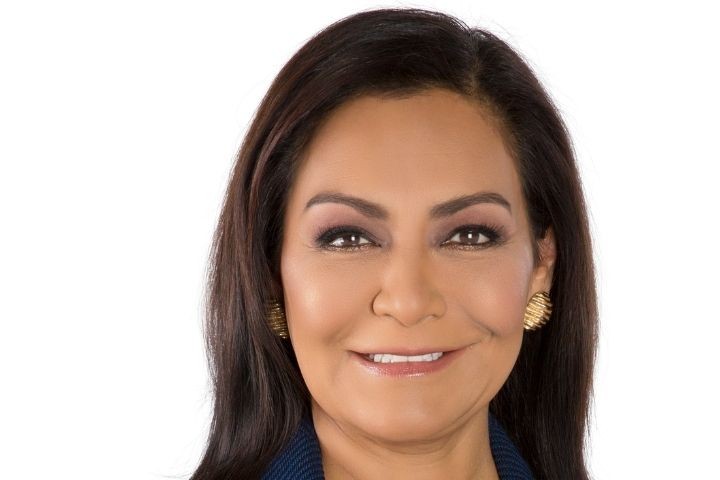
x=343, y=238
x=469, y=237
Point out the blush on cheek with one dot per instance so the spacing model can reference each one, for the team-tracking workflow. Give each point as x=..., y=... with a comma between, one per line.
x=321, y=310
x=308, y=315
x=499, y=302
x=331, y=292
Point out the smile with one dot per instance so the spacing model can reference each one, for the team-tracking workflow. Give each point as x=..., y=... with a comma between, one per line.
x=399, y=366
x=390, y=358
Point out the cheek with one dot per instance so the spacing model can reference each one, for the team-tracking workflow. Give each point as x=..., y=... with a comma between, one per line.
x=322, y=297
x=323, y=301
x=493, y=293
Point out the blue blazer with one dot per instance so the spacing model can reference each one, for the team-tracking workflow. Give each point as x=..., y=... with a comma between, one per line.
x=301, y=459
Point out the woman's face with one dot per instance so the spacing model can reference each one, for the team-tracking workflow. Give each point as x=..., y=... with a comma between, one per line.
x=410, y=269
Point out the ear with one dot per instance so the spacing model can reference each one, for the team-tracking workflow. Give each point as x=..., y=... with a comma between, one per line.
x=543, y=274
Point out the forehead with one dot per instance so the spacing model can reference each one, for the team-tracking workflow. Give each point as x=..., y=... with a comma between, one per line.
x=408, y=152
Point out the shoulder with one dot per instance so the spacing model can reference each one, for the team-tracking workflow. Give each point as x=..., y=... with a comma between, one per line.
x=300, y=459
x=508, y=461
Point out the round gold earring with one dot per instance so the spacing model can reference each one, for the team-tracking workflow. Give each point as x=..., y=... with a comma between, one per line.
x=538, y=311
x=277, y=320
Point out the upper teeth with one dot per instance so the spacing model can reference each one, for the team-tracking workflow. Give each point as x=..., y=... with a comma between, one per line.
x=390, y=358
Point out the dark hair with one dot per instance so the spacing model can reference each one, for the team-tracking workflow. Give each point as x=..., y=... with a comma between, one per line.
x=259, y=394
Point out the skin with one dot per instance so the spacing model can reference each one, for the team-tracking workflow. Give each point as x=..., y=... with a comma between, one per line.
x=406, y=284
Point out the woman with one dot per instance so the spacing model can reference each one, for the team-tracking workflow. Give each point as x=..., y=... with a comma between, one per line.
x=402, y=282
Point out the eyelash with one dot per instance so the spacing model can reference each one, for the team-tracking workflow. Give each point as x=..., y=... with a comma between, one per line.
x=494, y=233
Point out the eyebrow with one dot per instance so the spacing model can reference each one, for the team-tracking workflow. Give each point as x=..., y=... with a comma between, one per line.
x=441, y=210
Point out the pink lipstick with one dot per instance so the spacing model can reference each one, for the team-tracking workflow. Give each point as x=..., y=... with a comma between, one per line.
x=407, y=365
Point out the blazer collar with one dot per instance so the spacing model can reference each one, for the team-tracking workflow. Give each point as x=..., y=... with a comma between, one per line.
x=301, y=459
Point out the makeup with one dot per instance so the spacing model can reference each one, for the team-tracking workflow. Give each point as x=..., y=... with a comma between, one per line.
x=492, y=234
x=408, y=368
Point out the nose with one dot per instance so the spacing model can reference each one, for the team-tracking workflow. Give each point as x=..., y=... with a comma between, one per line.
x=409, y=291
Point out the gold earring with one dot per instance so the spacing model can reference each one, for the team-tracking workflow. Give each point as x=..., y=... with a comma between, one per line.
x=277, y=319
x=538, y=311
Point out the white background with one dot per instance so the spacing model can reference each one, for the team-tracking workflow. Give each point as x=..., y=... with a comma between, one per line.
x=119, y=122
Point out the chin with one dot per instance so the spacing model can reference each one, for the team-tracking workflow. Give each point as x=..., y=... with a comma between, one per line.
x=400, y=425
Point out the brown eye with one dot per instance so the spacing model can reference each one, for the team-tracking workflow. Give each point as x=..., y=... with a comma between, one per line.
x=343, y=238
x=348, y=239
x=474, y=236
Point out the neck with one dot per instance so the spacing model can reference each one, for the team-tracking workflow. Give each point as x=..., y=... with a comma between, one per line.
x=462, y=452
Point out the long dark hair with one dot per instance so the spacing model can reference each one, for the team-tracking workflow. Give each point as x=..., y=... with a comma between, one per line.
x=259, y=394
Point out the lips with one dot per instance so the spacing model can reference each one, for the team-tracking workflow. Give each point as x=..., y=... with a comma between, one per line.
x=389, y=358
x=406, y=352
x=408, y=369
